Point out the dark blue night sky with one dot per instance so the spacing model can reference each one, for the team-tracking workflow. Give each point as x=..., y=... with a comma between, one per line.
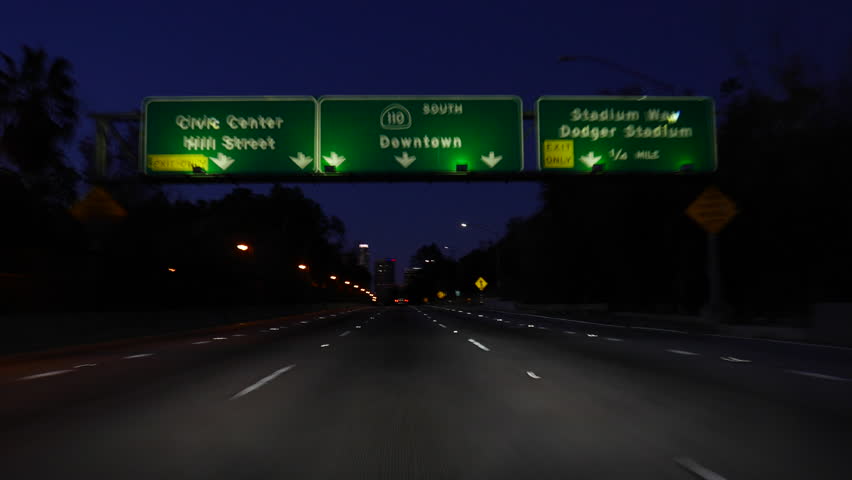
x=124, y=51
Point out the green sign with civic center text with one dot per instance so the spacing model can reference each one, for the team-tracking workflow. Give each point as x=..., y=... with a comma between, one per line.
x=229, y=135
x=423, y=134
x=626, y=134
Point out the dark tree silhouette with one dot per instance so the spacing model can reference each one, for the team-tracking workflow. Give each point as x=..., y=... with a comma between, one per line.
x=38, y=117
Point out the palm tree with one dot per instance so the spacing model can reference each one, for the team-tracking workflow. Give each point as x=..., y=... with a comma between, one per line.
x=38, y=116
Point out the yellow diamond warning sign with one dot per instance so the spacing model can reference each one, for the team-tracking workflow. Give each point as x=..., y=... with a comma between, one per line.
x=441, y=294
x=480, y=283
x=558, y=154
x=712, y=210
x=97, y=205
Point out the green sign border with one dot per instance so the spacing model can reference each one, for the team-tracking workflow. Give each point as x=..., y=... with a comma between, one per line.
x=518, y=100
x=539, y=139
x=143, y=144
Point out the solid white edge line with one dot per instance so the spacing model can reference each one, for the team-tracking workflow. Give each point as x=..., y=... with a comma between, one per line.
x=821, y=376
x=263, y=381
x=533, y=375
x=86, y=365
x=559, y=318
x=652, y=329
x=347, y=332
x=202, y=342
x=693, y=467
x=481, y=346
x=45, y=374
x=804, y=344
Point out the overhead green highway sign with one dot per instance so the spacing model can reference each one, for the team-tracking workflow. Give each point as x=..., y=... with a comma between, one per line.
x=422, y=134
x=626, y=134
x=229, y=135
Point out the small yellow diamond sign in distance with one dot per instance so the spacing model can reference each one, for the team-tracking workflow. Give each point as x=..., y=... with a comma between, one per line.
x=712, y=210
x=97, y=205
x=480, y=283
x=441, y=295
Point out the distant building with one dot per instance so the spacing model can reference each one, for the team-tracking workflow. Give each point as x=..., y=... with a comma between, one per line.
x=385, y=278
x=410, y=273
x=364, y=255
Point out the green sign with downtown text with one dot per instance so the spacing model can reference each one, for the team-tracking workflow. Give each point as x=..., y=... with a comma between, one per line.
x=626, y=134
x=229, y=135
x=423, y=134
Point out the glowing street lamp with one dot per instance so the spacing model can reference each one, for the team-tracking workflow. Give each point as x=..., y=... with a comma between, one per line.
x=302, y=266
x=356, y=286
x=333, y=277
x=242, y=247
x=172, y=270
x=347, y=282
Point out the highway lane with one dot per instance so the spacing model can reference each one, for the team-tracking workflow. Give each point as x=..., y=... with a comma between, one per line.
x=822, y=361
x=406, y=392
x=810, y=376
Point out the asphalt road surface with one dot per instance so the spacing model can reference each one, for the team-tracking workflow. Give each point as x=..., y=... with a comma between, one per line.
x=426, y=393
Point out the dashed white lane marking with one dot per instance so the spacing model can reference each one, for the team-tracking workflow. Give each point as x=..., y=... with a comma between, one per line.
x=693, y=467
x=86, y=365
x=455, y=331
x=347, y=332
x=533, y=375
x=442, y=325
x=357, y=326
x=481, y=346
x=613, y=339
x=325, y=345
x=45, y=374
x=202, y=342
x=530, y=325
x=480, y=316
x=263, y=381
x=681, y=352
x=220, y=338
x=593, y=335
x=274, y=329
x=569, y=332
x=735, y=360
x=821, y=376
x=139, y=355
x=239, y=335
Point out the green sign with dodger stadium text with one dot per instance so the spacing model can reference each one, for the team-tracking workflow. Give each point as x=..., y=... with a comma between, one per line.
x=626, y=134
x=229, y=135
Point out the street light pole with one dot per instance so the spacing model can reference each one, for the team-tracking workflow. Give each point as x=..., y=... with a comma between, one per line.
x=621, y=68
